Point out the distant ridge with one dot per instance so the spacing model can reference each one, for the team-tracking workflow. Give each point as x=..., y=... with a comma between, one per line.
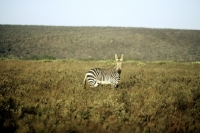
x=99, y=43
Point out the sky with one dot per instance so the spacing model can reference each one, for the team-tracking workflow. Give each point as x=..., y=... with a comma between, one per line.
x=173, y=14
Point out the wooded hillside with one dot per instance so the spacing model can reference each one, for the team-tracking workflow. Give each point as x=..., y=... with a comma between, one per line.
x=98, y=43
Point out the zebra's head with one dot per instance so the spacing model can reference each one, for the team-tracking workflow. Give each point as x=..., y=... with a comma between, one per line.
x=119, y=63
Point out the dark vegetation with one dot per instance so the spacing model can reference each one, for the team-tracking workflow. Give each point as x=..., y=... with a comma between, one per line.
x=93, y=43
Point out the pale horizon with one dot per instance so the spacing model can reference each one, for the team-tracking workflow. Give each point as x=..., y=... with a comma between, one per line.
x=121, y=13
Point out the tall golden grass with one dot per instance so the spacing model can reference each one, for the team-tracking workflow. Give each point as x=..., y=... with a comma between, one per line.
x=48, y=96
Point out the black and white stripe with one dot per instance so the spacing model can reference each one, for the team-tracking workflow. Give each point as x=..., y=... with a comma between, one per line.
x=104, y=76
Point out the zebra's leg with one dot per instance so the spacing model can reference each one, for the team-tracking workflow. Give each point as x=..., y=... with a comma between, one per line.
x=115, y=86
x=94, y=84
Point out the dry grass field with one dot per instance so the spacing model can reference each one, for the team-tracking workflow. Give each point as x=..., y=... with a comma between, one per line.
x=48, y=96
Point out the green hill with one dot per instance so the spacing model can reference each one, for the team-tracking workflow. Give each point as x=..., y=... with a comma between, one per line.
x=94, y=43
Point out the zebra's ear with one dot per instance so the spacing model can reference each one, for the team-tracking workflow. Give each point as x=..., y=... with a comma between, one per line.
x=122, y=57
x=116, y=58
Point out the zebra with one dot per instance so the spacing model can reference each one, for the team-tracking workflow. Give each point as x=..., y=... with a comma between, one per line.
x=111, y=76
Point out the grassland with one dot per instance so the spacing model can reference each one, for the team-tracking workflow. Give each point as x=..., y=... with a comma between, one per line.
x=48, y=96
x=91, y=43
